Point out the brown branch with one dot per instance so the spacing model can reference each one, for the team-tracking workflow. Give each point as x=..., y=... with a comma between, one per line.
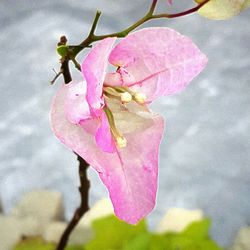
x=152, y=7
x=82, y=209
x=184, y=13
x=148, y=16
x=56, y=76
x=65, y=70
x=75, y=49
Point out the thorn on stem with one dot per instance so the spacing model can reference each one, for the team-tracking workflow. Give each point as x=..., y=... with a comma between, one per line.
x=56, y=76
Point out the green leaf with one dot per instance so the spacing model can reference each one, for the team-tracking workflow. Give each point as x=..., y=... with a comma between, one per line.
x=194, y=237
x=185, y=243
x=140, y=242
x=39, y=244
x=33, y=244
x=62, y=50
x=161, y=241
x=197, y=230
x=210, y=245
x=112, y=234
x=246, y=4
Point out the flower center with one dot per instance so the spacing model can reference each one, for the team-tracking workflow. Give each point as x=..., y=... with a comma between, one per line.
x=124, y=95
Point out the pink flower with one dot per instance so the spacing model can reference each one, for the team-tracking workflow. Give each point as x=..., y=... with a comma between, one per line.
x=105, y=118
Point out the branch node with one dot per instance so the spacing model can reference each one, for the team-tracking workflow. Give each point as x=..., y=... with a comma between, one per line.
x=94, y=25
x=56, y=76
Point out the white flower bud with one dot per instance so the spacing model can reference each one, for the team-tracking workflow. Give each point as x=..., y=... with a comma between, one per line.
x=126, y=97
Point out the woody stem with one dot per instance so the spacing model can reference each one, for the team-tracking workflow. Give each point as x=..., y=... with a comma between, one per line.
x=82, y=209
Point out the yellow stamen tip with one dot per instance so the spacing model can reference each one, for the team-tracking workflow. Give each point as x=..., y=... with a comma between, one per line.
x=126, y=97
x=140, y=98
x=121, y=142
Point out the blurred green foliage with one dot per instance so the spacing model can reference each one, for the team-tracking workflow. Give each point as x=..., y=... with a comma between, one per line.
x=39, y=244
x=113, y=234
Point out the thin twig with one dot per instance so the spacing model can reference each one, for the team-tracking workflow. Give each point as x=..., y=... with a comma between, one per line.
x=152, y=7
x=184, y=13
x=148, y=16
x=74, y=50
x=83, y=208
x=95, y=22
x=56, y=76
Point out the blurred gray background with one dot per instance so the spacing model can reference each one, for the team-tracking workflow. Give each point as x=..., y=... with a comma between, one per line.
x=204, y=160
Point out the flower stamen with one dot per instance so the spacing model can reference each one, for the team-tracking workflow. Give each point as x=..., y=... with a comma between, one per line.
x=125, y=94
x=140, y=98
x=120, y=140
x=118, y=93
x=126, y=97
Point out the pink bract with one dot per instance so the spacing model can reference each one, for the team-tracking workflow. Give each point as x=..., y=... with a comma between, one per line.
x=160, y=61
x=152, y=61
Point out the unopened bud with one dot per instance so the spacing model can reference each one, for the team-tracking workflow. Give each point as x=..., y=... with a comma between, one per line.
x=121, y=142
x=140, y=98
x=126, y=97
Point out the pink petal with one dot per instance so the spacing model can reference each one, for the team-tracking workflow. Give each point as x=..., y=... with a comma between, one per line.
x=120, y=77
x=170, y=2
x=112, y=79
x=130, y=174
x=132, y=178
x=104, y=137
x=160, y=60
x=76, y=106
x=79, y=138
x=94, y=70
